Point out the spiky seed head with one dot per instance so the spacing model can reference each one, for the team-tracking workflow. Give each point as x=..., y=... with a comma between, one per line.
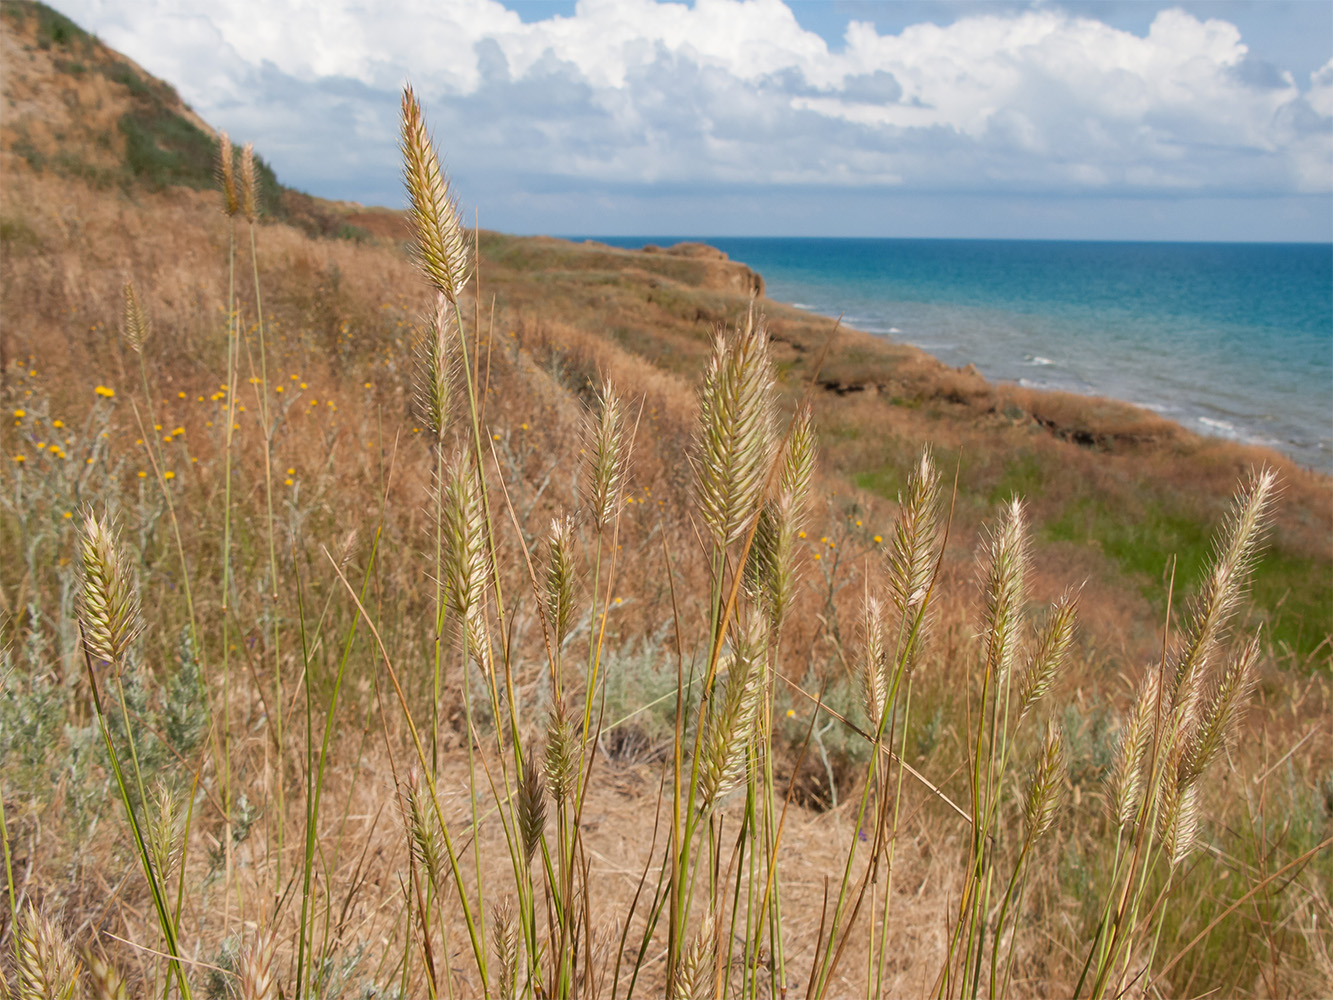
x=506, y=948
x=108, y=612
x=47, y=968
x=531, y=808
x=107, y=982
x=134, y=322
x=734, y=442
x=226, y=171
x=874, y=676
x=424, y=832
x=770, y=569
x=606, y=453
x=1179, y=825
x=166, y=831
x=798, y=458
x=694, y=976
x=440, y=241
x=1049, y=657
x=1225, y=583
x=249, y=184
x=732, y=715
x=560, y=579
x=563, y=755
x=437, y=367
x=1223, y=714
x=913, y=547
x=1126, y=780
x=1004, y=592
x=465, y=561
x=255, y=967
x=1046, y=787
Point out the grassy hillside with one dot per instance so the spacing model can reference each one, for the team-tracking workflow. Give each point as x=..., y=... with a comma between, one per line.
x=274, y=479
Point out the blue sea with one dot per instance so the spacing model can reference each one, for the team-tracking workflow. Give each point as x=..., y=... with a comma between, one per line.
x=1234, y=340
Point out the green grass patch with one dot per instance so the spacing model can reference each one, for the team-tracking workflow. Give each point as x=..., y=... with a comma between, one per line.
x=1294, y=593
x=162, y=149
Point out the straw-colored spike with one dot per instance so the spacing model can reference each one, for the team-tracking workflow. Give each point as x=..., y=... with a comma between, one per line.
x=1223, y=714
x=108, y=611
x=1049, y=657
x=135, y=327
x=732, y=716
x=465, y=561
x=426, y=837
x=913, y=548
x=437, y=368
x=249, y=184
x=1004, y=590
x=107, y=982
x=441, y=242
x=1046, y=787
x=166, y=830
x=735, y=437
x=506, y=948
x=694, y=976
x=1126, y=780
x=256, y=968
x=226, y=171
x=531, y=808
x=562, y=756
x=560, y=579
x=47, y=968
x=606, y=458
x=874, y=679
x=1225, y=584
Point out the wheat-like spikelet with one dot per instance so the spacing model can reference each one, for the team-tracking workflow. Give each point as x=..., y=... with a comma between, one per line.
x=1222, y=716
x=226, y=171
x=134, y=322
x=606, y=451
x=427, y=839
x=1126, y=780
x=1224, y=586
x=441, y=243
x=1179, y=823
x=1046, y=787
x=437, y=368
x=694, y=976
x=249, y=184
x=465, y=563
x=732, y=715
x=107, y=982
x=166, y=830
x=735, y=437
x=770, y=570
x=47, y=968
x=874, y=678
x=1003, y=590
x=108, y=611
x=562, y=755
x=255, y=967
x=1049, y=657
x=506, y=948
x=560, y=579
x=913, y=548
x=531, y=808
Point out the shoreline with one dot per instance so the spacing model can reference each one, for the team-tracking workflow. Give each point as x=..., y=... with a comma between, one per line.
x=1044, y=345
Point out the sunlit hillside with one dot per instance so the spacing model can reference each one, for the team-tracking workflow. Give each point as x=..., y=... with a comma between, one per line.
x=357, y=712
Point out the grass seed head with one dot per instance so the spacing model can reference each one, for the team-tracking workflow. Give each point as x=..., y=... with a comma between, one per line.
x=47, y=968
x=913, y=547
x=425, y=835
x=1223, y=714
x=134, y=322
x=1048, y=658
x=734, y=442
x=108, y=611
x=226, y=173
x=107, y=982
x=531, y=808
x=441, y=247
x=166, y=831
x=1046, y=787
x=874, y=678
x=694, y=975
x=1003, y=590
x=560, y=579
x=249, y=184
x=732, y=715
x=1126, y=780
x=438, y=368
x=255, y=967
x=562, y=756
x=607, y=453
x=506, y=948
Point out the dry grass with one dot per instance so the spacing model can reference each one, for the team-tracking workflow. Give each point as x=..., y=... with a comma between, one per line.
x=547, y=323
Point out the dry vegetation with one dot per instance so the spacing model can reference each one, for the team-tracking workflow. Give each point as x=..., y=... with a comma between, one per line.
x=351, y=648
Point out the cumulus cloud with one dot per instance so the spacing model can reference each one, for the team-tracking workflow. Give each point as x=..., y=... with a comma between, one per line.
x=636, y=93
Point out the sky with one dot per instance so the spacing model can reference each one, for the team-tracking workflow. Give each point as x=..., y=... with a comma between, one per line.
x=1106, y=119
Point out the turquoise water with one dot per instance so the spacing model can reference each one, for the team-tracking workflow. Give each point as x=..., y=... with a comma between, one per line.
x=1234, y=340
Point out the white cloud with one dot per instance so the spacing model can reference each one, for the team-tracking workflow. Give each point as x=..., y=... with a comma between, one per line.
x=736, y=92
